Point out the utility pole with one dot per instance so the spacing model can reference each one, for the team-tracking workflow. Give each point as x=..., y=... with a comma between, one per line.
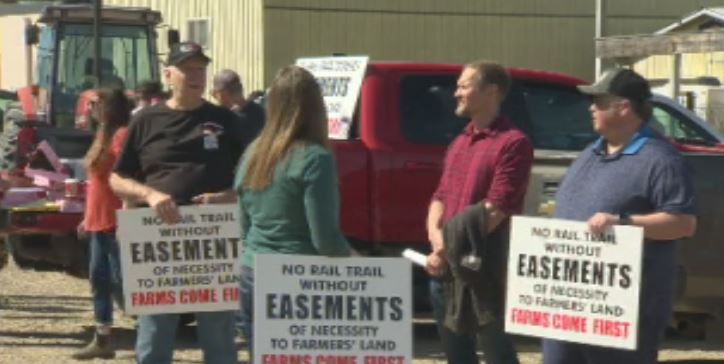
x=601, y=10
x=97, y=19
x=675, y=76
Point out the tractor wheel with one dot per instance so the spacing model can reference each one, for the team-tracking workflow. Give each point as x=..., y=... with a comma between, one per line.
x=12, y=116
x=9, y=140
x=4, y=255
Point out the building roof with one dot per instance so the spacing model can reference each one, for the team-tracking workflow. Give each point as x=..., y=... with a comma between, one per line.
x=712, y=14
x=7, y=9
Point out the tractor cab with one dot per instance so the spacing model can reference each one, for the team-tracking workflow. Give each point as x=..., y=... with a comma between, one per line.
x=55, y=107
x=65, y=56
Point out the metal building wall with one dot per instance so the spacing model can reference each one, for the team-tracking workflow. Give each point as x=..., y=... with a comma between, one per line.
x=552, y=35
x=236, y=32
x=14, y=70
x=692, y=64
x=14, y=66
x=257, y=37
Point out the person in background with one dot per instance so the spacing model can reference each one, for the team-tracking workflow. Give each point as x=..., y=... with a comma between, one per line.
x=148, y=93
x=180, y=152
x=229, y=92
x=256, y=96
x=287, y=183
x=112, y=111
x=630, y=176
x=489, y=163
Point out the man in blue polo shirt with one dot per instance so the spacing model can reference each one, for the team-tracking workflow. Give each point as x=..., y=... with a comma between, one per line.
x=630, y=176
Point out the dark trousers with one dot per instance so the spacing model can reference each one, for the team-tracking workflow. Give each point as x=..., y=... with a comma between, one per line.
x=460, y=349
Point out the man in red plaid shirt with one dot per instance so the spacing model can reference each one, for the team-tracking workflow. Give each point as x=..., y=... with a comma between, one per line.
x=489, y=163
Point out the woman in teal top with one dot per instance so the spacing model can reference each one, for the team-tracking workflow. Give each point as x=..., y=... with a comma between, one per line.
x=287, y=183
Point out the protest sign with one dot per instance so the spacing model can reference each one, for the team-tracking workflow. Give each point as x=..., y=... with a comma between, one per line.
x=567, y=284
x=191, y=266
x=324, y=310
x=340, y=79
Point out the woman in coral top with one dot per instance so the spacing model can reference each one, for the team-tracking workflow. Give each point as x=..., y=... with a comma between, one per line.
x=112, y=111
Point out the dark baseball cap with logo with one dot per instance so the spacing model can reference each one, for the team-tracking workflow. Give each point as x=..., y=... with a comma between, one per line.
x=181, y=52
x=621, y=82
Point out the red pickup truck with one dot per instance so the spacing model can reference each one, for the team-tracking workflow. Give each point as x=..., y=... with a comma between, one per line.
x=390, y=164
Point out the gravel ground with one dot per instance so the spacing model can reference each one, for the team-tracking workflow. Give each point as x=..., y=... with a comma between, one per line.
x=45, y=317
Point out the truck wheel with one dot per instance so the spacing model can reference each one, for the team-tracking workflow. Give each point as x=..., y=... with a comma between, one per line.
x=22, y=262
x=714, y=330
x=691, y=325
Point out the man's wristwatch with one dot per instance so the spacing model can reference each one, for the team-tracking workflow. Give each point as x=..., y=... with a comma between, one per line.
x=624, y=219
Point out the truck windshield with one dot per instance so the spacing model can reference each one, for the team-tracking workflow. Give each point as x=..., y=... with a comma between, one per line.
x=126, y=60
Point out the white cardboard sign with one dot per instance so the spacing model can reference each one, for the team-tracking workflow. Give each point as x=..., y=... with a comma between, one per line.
x=567, y=284
x=340, y=79
x=310, y=309
x=191, y=266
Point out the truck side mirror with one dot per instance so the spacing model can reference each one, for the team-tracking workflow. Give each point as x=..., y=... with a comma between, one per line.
x=173, y=37
x=31, y=34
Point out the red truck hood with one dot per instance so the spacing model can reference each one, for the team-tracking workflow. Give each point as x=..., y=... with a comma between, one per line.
x=517, y=73
x=689, y=148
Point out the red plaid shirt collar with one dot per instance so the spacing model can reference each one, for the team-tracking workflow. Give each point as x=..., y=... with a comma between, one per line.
x=500, y=123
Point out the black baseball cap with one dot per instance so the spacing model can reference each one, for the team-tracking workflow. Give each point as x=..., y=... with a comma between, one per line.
x=184, y=51
x=621, y=82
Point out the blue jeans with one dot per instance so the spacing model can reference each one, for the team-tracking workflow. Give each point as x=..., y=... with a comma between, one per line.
x=247, y=308
x=157, y=334
x=460, y=349
x=105, y=275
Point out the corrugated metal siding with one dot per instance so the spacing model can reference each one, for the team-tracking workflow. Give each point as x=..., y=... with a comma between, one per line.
x=431, y=31
x=256, y=37
x=692, y=66
x=442, y=6
x=236, y=32
x=673, y=9
x=551, y=35
x=23, y=9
